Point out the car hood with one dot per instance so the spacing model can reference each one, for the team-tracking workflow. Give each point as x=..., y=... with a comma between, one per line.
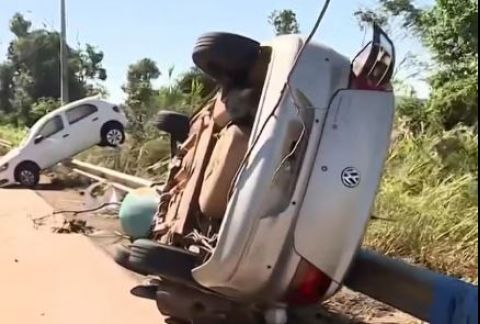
x=9, y=156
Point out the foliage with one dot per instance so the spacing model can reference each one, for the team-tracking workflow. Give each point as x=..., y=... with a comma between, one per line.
x=43, y=106
x=413, y=112
x=11, y=134
x=284, y=22
x=190, y=81
x=146, y=146
x=140, y=92
x=32, y=70
x=7, y=72
x=429, y=193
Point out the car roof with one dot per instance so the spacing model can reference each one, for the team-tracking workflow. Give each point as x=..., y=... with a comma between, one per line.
x=61, y=109
x=92, y=99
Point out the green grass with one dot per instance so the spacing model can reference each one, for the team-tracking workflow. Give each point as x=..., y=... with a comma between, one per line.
x=429, y=192
x=12, y=134
x=132, y=158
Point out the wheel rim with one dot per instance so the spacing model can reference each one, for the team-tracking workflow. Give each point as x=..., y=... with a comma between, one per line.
x=27, y=177
x=114, y=137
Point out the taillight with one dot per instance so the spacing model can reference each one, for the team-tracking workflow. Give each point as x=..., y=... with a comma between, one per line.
x=373, y=67
x=308, y=286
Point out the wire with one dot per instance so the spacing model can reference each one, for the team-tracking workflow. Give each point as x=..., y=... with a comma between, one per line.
x=76, y=212
x=286, y=86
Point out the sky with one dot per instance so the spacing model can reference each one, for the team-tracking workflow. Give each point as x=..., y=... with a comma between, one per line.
x=165, y=31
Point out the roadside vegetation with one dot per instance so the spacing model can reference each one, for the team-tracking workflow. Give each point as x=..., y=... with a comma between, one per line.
x=429, y=193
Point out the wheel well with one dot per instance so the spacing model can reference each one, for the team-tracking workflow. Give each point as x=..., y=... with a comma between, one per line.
x=23, y=163
x=111, y=123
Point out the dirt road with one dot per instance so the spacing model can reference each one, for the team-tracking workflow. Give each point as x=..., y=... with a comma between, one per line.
x=57, y=279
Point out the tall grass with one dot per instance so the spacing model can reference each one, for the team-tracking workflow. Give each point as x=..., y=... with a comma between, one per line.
x=429, y=192
x=145, y=160
x=12, y=134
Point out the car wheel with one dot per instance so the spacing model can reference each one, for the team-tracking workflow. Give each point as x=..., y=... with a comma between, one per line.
x=27, y=174
x=225, y=57
x=147, y=257
x=113, y=135
x=174, y=123
x=173, y=320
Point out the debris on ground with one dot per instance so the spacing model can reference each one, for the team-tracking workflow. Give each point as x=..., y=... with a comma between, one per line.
x=106, y=232
x=70, y=226
x=68, y=179
x=98, y=189
x=362, y=309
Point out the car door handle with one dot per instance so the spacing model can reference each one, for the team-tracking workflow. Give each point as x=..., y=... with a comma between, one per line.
x=66, y=135
x=94, y=119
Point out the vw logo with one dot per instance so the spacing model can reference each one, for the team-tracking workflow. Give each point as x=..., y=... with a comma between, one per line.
x=350, y=177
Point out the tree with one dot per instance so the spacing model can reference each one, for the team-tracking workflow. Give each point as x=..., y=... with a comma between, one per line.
x=32, y=70
x=19, y=26
x=284, y=22
x=193, y=78
x=140, y=92
x=7, y=72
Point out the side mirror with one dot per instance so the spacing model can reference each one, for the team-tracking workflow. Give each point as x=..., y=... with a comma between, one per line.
x=38, y=139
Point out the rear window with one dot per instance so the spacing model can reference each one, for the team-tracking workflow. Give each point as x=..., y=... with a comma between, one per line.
x=78, y=113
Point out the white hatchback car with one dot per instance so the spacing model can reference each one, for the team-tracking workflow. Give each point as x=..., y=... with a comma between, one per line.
x=62, y=134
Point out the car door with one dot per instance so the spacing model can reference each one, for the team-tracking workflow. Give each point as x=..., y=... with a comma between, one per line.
x=49, y=143
x=84, y=127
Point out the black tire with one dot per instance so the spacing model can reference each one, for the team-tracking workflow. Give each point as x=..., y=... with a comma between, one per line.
x=172, y=320
x=121, y=256
x=174, y=123
x=151, y=258
x=112, y=134
x=226, y=57
x=241, y=104
x=27, y=174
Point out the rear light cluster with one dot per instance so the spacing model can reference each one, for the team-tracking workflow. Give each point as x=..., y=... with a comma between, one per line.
x=372, y=68
x=308, y=286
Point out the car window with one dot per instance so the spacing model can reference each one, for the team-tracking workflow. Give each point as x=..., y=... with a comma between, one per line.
x=76, y=114
x=51, y=127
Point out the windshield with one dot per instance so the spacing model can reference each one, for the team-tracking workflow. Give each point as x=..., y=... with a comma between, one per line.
x=27, y=137
x=32, y=131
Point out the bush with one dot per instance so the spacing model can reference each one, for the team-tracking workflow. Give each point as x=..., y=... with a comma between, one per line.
x=12, y=134
x=429, y=192
x=456, y=102
x=132, y=158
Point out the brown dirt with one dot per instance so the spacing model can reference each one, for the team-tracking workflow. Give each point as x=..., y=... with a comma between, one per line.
x=56, y=279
